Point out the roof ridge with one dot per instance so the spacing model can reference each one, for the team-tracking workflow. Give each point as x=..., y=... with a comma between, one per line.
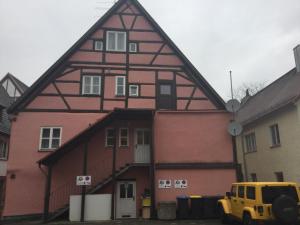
x=268, y=86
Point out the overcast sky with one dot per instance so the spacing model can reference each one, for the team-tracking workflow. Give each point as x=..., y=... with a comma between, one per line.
x=253, y=38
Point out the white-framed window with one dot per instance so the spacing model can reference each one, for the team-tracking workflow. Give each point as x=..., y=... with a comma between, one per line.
x=50, y=138
x=133, y=90
x=98, y=45
x=110, y=137
x=275, y=137
x=3, y=150
x=123, y=137
x=116, y=41
x=91, y=85
x=120, y=85
x=132, y=47
x=250, y=140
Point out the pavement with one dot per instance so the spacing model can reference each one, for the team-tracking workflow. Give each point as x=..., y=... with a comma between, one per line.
x=127, y=222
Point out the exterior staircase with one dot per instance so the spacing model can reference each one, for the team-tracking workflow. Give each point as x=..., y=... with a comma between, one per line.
x=61, y=211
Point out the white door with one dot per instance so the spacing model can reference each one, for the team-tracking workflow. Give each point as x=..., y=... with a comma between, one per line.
x=126, y=199
x=142, y=146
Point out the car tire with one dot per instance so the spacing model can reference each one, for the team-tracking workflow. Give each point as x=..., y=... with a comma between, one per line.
x=247, y=220
x=223, y=216
x=285, y=209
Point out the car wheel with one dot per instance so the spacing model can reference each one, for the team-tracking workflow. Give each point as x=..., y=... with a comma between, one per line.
x=285, y=209
x=247, y=220
x=223, y=216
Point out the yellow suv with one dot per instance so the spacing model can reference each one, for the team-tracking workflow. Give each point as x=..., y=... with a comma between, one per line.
x=258, y=202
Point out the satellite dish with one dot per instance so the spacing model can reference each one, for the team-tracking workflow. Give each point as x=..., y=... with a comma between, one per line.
x=233, y=105
x=235, y=128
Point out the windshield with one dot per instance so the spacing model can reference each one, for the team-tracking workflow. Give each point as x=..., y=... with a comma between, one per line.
x=270, y=193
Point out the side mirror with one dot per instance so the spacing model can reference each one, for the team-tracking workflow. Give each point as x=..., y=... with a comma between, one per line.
x=228, y=194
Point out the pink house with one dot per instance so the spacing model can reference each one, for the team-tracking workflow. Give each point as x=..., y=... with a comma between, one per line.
x=126, y=107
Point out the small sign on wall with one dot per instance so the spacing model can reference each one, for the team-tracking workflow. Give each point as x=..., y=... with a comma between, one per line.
x=180, y=183
x=164, y=183
x=83, y=180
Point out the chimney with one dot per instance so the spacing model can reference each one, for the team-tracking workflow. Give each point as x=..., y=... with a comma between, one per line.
x=297, y=57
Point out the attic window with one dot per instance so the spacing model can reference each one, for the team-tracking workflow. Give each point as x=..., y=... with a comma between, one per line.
x=132, y=47
x=116, y=41
x=98, y=45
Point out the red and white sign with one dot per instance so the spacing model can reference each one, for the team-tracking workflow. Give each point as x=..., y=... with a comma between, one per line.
x=83, y=180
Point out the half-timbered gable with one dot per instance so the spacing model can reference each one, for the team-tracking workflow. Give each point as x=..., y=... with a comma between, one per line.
x=124, y=61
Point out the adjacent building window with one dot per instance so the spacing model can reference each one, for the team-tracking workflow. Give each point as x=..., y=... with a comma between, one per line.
x=275, y=138
x=132, y=47
x=50, y=138
x=133, y=90
x=116, y=41
x=98, y=45
x=91, y=85
x=123, y=137
x=253, y=177
x=120, y=86
x=250, y=142
x=279, y=176
x=3, y=150
x=110, y=137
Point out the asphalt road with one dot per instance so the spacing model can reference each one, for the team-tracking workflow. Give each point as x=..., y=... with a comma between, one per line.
x=129, y=222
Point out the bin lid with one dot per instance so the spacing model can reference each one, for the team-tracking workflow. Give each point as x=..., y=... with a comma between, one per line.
x=182, y=197
x=195, y=196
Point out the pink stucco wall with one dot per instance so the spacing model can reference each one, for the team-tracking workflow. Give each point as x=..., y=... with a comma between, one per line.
x=200, y=182
x=25, y=193
x=192, y=137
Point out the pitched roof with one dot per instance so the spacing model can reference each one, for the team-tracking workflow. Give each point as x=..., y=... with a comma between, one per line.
x=5, y=100
x=282, y=92
x=19, y=84
x=39, y=84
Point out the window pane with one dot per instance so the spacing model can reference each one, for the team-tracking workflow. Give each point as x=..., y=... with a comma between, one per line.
x=132, y=47
x=55, y=143
x=120, y=80
x=45, y=143
x=121, y=41
x=56, y=133
x=96, y=80
x=129, y=190
x=165, y=89
x=111, y=41
x=96, y=90
x=124, y=132
x=46, y=133
x=87, y=80
x=133, y=90
x=120, y=90
x=122, y=191
x=98, y=45
x=124, y=142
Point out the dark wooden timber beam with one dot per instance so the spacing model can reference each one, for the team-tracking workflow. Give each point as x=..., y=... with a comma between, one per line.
x=47, y=194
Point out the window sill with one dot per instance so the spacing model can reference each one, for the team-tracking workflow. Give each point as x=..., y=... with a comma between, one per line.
x=115, y=51
x=46, y=150
x=122, y=95
x=275, y=146
x=3, y=159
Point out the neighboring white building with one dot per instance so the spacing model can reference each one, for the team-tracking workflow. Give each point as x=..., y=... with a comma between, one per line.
x=269, y=147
